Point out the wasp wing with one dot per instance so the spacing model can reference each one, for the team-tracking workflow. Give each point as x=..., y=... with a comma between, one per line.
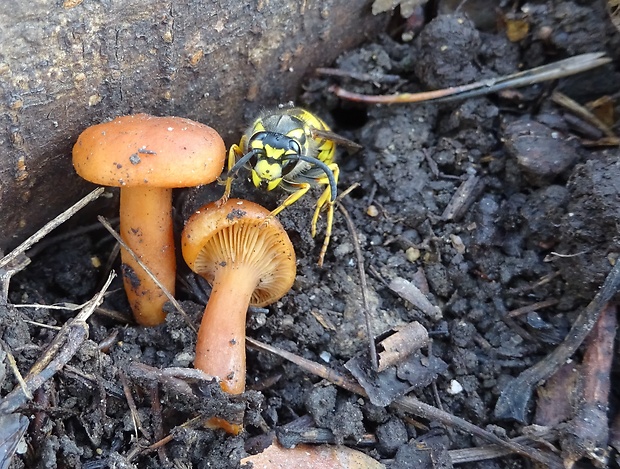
x=337, y=139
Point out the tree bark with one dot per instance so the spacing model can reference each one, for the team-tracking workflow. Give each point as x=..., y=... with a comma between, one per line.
x=66, y=66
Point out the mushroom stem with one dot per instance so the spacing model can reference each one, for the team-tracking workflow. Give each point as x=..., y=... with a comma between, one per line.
x=220, y=347
x=147, y=210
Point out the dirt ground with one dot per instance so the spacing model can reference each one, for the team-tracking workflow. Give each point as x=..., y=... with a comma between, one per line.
x=538, y=223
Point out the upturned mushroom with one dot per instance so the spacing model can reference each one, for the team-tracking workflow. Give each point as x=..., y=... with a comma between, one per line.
x=147, y=157
x=249, y=260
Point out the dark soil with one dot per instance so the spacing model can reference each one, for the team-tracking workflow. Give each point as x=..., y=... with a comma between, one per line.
x=541, y=224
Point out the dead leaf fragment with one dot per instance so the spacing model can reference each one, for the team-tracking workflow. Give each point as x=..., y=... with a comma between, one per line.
x=415, y=372
x=311, y=457
x=517, y=29
x=604, y=107
x=68, y=4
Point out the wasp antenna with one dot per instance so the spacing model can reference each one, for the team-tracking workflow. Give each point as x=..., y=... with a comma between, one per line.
x=240, y=162
x=326, y=169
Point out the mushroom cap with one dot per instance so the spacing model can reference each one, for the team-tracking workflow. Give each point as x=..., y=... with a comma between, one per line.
x=235, y=235
x=144, y=150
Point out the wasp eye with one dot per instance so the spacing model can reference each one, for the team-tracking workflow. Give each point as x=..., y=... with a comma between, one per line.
x=294, y=145
x=253, y=160
x=258, y=136
x=287, y=166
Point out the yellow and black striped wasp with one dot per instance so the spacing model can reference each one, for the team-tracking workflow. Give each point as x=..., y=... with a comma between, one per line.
x=295, y=150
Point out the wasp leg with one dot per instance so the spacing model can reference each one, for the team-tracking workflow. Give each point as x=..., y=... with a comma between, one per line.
x=325, y=200
x=233, y=154
x=302, y=188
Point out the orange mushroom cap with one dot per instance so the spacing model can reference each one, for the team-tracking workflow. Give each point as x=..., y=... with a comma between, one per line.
x=143, y=150
x=240, y=233
x=147, y=156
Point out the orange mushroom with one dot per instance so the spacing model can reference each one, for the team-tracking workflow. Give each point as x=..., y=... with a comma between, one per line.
x=249, y=260
x=147, y=156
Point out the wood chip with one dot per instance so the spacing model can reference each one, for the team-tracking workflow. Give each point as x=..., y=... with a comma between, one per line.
x=408, y=291
x=398, y=346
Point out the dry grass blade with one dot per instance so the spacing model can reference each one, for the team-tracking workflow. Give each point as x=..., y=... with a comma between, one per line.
x=57, y=221
x=573, y=106
x=66, y=343
x=552, y=71
x=135, y=416
x=613, y=7
x=15, y=369
x=364, y=286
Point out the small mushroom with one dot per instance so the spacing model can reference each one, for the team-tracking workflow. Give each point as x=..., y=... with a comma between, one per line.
x=249, y=260
x=147, y=156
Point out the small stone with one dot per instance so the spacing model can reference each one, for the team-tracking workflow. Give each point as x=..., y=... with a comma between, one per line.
x=455, y=387
x=372, y=211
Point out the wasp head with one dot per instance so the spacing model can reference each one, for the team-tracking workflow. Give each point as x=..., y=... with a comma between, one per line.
x=275, y=155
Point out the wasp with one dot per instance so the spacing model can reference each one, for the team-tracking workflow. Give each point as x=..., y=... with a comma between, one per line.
x=295, y=150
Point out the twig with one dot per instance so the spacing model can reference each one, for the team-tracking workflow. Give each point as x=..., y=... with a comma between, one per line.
x=90, y=380
x=367, y=77
x=8, y=271
x=552, y=71
x=16, y=373
x=364, y=285
x=116, y=315
x=109, y=263
x=174, y=378
x=135, y=417
x=158, y=424
x=171, y=298
x=462, y=199
x=411, y=405
x=587, y=434
x=481, y=453
x=137, y=451
x=533, y=307
x=53, y=240
x=428, y=412
x=544, y=280
x=60, y=219
x=514, y=398
x=315, y=368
